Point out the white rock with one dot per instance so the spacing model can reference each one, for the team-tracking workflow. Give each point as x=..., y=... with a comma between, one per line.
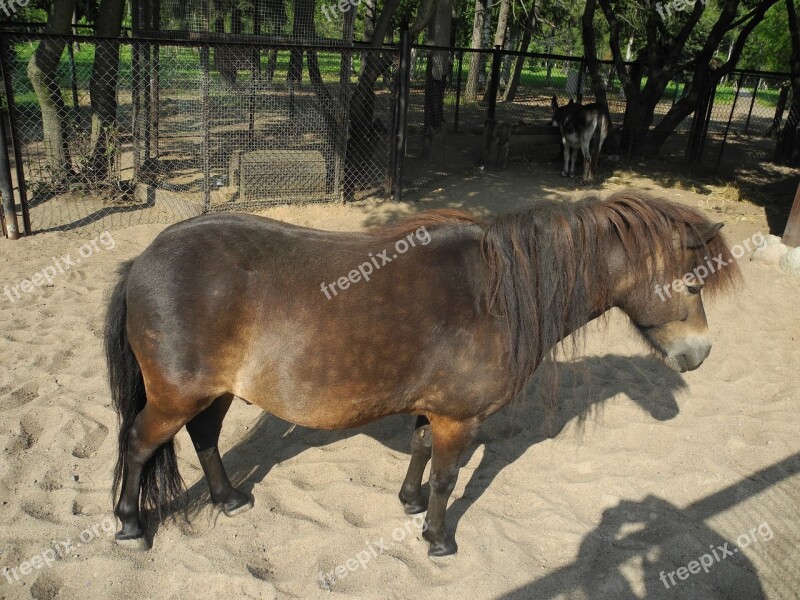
x=770, y=240
x=771, y=254
x=791, y=261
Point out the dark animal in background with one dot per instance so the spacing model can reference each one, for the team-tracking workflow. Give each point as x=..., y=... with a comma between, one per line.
x=583, y=128
x=227, y=306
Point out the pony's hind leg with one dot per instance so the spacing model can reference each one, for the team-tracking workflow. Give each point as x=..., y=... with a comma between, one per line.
x=149, y=471
x=411, y=491
x=450, y=439
x=587, y=160
x=204, y=429
x=565, y=171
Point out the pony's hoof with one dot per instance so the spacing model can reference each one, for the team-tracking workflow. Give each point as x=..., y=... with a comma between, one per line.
x=445, y=548
x=237, y=506
x=564, y=174
x=137, y=544
x=414, y=508
x=413, y=503
x=572, y=175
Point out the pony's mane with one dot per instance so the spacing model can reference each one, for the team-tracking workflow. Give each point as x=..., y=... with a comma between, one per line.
x=543, y=264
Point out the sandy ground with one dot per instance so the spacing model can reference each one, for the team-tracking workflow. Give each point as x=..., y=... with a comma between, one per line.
x=641, y=471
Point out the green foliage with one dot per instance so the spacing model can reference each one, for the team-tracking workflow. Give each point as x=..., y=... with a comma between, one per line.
x=769, y=46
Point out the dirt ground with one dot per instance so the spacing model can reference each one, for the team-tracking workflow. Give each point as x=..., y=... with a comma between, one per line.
x=639, y=476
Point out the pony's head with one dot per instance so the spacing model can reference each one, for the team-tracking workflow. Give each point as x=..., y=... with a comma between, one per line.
x=560, y=113
x=557, y=265
x=673, y=256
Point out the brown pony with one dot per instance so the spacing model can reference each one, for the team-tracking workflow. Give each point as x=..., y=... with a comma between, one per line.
x=448, y=326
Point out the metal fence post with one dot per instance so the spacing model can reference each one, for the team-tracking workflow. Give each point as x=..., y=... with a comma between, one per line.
x=136, y=85
x=401, y=114
x=204, y=60
x=154, y=63
x=458, y=89
x=22, y=188
x=11, y=230
x=728, y=126
x=342, y=133
x=752, y=102
x=697, y=136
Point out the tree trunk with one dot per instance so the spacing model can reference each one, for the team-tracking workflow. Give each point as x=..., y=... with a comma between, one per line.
x=302, y=32
x=780, y=107
x=438, y=67
x=483, y=57
x=42, y=72
x=629, y=49
x=103, y=85
x=529, y=26
x=590, y=52
x=500, y=33
x=502, y=23
x=786, y=150
x=471, y=89
x=362, y=102
x=272, y=63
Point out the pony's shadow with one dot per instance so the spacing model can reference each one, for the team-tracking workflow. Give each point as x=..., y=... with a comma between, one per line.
x=581, y=388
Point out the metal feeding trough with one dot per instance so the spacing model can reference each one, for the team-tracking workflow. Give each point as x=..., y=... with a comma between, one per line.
x=279, y=175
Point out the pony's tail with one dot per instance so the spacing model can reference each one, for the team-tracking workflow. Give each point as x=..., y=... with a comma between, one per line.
x=161, y=481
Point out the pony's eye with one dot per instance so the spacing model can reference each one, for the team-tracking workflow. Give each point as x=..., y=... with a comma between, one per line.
x=694, y=289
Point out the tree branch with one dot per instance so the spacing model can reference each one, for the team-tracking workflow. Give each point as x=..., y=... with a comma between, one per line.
x=424, y=16
x=619, y=63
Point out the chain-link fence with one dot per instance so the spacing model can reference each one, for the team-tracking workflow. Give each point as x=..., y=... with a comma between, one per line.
x=159, y=130
x=745, y=116
x=328, y=22
x=112, y=132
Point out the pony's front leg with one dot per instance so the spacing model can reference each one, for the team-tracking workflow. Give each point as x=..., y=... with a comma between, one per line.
x=450, y=439
x=411, y=491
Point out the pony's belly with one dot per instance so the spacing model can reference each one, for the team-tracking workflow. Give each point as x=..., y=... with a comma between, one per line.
x=325, y=411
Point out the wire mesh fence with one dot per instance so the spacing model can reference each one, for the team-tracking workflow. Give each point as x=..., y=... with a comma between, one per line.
x=298, y=21
x=113, y=132
x=159, y=130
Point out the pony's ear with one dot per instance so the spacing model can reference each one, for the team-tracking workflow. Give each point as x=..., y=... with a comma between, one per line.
x=705, y=233
x=571, y=102
x=554, y=103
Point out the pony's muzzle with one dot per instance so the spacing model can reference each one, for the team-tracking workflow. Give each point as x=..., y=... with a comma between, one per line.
x=688, y=354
